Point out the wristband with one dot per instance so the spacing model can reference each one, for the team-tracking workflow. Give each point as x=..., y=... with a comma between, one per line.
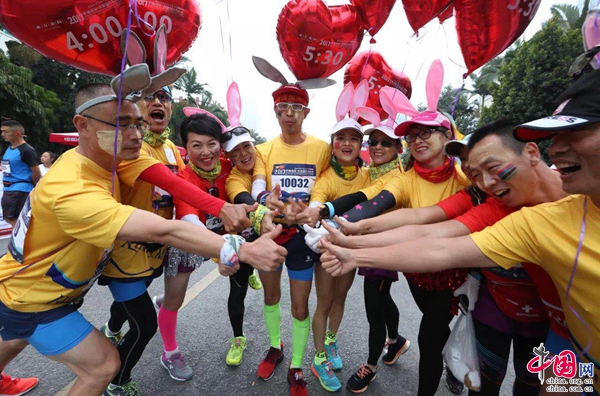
x=257, y=216
x=331, y=209
x=229, y=255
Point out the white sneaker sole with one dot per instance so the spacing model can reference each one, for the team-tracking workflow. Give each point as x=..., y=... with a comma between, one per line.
x=171, y=375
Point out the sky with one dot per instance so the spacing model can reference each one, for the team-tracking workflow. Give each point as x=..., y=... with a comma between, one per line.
x=250, y=28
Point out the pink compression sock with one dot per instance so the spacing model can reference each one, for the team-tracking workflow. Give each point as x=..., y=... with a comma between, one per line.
x=167, y=324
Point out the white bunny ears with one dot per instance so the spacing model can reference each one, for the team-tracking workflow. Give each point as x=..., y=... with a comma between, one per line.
x=349, y=100
x=429, y=117
x=135, y=54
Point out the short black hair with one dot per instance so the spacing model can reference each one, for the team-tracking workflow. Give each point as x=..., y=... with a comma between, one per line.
x=503, y=128
x=12, y=124
x=53, y=156
x=201, y=124
x=91, y=91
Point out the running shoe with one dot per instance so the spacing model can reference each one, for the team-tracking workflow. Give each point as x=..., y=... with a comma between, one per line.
x=157, y=301
x=266, y=368
x=16, y=386
x=114, y=339
x=395, y=350
x=254, y=281
x=128, y=389
x=332, y=355
x=236, y=352
x=297, y=384
x=359, y=382
x=177, y=367
x=325, y=375
x=453, y=383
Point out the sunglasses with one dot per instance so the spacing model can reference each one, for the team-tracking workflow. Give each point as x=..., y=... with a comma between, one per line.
x=384, y=143
x=285, y=106
x=162, y=97
x=214, y=191
x=582, y=61
x=237, y=131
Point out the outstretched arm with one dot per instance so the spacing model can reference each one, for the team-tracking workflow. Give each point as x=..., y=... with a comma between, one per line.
x=395, y=219
x=421, y=255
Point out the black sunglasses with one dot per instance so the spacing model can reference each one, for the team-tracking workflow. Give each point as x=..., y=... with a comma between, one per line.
x=237, y=131
x=582, y=61
x=384, y=143
x=214, y=191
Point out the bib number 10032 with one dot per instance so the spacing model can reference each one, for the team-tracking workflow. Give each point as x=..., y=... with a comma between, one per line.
x=291, y=182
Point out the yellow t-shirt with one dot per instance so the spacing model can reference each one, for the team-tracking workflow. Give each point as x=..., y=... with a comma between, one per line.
x=548, y=235
x=237, y=182
x=412, y=191
x=330, y=186
x=136, y=259
x=61, y=245
x=294, y=167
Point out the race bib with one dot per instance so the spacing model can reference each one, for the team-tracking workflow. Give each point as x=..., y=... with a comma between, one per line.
x=5, y=168
x=170, y=156
x=296, y=180
x=161, y=199
x=19, y=232
x=214, y=224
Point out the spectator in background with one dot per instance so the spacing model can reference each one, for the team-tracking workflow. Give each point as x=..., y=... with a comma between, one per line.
x=20, y=170
x=47, y=159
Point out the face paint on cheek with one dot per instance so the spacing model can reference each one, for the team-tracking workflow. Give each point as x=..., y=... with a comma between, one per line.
x=337, y=145
x=508, y=172
x=278, y=113
x=106, y=141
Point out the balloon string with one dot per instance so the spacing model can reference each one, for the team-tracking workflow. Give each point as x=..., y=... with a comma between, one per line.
x=456, y=98
x=141, y=21
x=575, y=264
x=362, y=72
x=230, y=45
x=120, y=98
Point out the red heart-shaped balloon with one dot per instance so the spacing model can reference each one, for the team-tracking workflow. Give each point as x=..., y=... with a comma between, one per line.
x=374, y=13
x=419, y=12
x=486, y=28
x=86, y=33
x=315, y=40
x=379, y=74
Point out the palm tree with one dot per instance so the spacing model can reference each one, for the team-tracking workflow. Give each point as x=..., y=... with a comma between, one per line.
x=568, y=15
x=189, y=84
x=486, y=79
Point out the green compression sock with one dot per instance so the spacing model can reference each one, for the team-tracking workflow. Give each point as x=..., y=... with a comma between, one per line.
x=320, y=357
x=273, y=321
x=331, y=337
x=300, y=333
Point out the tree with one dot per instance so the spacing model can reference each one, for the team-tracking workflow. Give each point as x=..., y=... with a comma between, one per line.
x=465, y=112
x=189, y=84
x=568, y=16
x=23, y=100
x=534, y=74
x=486, y=80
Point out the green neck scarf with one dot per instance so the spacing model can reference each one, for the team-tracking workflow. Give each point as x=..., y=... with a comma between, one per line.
x=375, y=172
x=211, y=175
x=156, y=139
x=345, y=172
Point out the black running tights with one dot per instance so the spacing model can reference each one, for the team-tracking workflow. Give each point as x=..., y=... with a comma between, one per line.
x=433, y=334
x=141, y=315
x=238, y=286
x=382, y=314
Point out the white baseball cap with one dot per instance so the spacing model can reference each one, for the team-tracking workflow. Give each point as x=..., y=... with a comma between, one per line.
x=347, y=123
x=453, y=148
x=234, y=136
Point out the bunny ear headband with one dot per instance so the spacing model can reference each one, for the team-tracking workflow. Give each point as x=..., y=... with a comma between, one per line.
x=429, y=117
x=349, y=100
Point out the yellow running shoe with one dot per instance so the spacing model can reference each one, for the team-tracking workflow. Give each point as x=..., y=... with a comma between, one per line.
x=254, y=281
x=236, y=352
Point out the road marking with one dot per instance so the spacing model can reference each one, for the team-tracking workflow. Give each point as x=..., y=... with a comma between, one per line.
x=190, y=295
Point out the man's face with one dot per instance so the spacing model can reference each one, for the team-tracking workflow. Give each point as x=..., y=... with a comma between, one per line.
x=102, y=135
x=576, y=154
x=289, y=119
x=9, y=134
x=486, y=161
x=243, y=156
x=157, y=109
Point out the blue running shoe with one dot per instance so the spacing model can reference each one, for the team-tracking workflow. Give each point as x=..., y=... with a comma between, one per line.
x=332, y=355
x=327, y=378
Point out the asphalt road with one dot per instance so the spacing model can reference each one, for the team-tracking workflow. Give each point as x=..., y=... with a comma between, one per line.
x=203, y=333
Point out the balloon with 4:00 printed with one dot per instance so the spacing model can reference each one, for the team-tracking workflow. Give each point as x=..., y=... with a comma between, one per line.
x=86, y=33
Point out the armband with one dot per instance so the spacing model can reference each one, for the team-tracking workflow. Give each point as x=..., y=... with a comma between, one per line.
x=229, y=255
x=257, y=216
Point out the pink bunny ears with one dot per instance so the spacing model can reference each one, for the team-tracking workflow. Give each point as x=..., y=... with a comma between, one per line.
x=350, y=99
x=135, y=53
x=234, y=105
x=190, y=111
x=429, y=117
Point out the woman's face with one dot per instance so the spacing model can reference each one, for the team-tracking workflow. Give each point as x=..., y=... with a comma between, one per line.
x=203, y=151
x=346, y=146
x=46, y=159
x=428, y=150
x=380, y=154
x=243, y=157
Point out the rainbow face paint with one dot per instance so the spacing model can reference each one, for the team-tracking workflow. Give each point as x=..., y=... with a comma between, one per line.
x=508, y=172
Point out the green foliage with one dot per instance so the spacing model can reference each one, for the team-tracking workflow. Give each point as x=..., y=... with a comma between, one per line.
x=534, y=74
x=23, y=100
x=465, y=112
